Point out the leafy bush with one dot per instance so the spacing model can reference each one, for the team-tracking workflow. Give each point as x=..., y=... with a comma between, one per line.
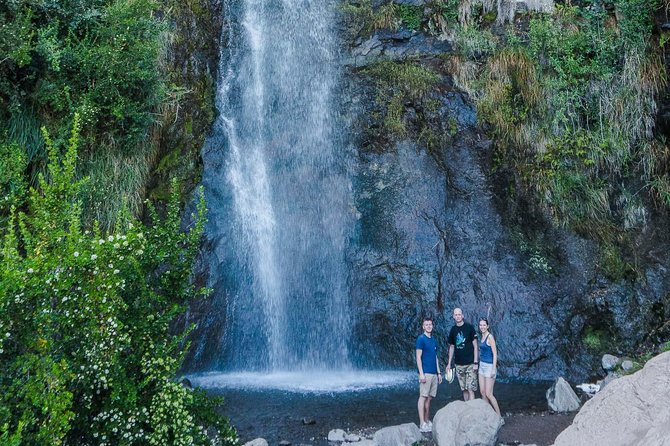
x=572, y=105
x=12, y=179
x=98, y=58
x=86, y=355
x=410, y=16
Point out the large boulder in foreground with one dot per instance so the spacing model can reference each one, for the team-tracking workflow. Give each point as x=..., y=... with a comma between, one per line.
x=561, y=397
x=401, y=435
x=632, y=410
x=472, y=423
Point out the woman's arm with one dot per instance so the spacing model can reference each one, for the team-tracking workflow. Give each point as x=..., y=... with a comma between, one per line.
x=492, y=343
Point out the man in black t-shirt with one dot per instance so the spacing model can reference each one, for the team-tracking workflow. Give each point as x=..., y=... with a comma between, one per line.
x=464, y=350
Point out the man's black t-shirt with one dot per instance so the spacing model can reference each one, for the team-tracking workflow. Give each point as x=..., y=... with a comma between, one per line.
x=461, y=338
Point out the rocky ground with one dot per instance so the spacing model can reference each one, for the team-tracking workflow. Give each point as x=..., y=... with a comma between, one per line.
x=540, y=429
x=529, y=428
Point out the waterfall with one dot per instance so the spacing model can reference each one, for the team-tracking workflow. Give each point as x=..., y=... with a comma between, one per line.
x=282, y=164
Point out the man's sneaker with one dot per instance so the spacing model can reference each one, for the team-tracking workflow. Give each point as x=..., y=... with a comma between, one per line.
x=424, y=428
x=430, y=425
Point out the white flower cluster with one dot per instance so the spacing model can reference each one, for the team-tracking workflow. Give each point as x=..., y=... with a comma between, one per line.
x=116, y=427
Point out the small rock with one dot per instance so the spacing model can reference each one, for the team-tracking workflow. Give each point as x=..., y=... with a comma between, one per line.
x=627, y=365
x=257, y=442
x=401, y=435
x=561, y=397
x=308, y=420
x=352, y=438
x=609, y=362
x=371, y=47
x=395, y=36
x=186, y=383
x=285, y=443
x=336, y=435
x=588, y=388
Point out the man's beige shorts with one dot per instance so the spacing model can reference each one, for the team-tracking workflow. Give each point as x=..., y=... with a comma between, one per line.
x=467, y=378
x=429, y=388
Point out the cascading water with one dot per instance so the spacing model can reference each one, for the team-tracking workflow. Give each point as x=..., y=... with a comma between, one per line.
x=276, y=170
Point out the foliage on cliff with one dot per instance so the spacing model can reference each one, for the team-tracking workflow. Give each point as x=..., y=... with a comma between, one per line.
x=569, y=94
x=118, y=64
x=86, y=356
x=571, y=100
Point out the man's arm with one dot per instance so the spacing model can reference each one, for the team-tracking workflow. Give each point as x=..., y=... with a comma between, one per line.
x=494, y=348
x=422, y=377
x=450, y=356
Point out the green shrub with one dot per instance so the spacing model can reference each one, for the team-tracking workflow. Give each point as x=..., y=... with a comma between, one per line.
x=571, y=104
x=86, y=354
x=441, y=16
x=13, y=187
x=98, y=58
x=410, y=16
x=397, y=84
x=474, y=43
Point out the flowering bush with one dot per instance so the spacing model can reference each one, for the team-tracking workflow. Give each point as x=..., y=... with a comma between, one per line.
x=86, y=355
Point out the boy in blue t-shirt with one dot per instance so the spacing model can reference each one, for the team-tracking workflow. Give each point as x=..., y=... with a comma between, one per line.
x=429, y=373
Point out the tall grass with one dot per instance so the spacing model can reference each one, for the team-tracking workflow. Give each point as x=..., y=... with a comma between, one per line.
x=116, y=180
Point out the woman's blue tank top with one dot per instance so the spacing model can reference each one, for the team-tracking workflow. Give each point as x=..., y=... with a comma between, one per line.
x=485, y=351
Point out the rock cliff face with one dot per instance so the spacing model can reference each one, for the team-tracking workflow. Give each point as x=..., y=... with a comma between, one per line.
x=436, y=228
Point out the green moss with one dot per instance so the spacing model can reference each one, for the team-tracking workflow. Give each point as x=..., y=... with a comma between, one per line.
x=593, y=339
x=452, y=126
x=613, y=264
x=430, y=138
x=399, y=84
x=490, y=16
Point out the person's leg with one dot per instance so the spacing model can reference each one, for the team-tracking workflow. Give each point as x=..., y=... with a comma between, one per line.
x=422, y=410
x=431, y=394
x=482, y=387
x=463, y=381
x=472, y=382
x=489, y=395
x=426, y=410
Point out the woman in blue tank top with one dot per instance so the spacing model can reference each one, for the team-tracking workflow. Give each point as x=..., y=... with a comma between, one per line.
x=488, y=361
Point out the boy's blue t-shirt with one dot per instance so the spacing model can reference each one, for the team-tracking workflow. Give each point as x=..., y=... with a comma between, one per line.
x=429, y=354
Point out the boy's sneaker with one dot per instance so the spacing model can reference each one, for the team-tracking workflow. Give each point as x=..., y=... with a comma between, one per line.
x=424, y=428
x=430, y=425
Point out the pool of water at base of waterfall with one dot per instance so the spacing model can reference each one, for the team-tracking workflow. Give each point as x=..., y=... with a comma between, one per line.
x=278, y=415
